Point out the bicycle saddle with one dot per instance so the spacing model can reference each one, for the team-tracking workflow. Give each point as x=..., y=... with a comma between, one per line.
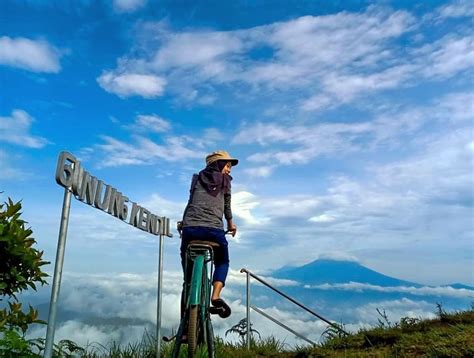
x=201, y=242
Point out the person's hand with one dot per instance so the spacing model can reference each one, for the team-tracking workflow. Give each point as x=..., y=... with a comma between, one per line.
x=232, y=228
x=179, y=226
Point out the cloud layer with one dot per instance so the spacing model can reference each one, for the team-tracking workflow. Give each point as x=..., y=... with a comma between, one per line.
x=31, y=55
x=132, y=84
x=15, y=129
x=301, y=54
x=120, y=306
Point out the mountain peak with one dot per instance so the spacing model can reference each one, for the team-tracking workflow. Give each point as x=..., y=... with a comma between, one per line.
x=326, y=270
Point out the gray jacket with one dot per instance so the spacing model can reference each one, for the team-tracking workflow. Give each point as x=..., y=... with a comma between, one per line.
x=204, y=209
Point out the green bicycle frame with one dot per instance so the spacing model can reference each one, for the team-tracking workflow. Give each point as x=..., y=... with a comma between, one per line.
x=198, y=293
x=196, y=281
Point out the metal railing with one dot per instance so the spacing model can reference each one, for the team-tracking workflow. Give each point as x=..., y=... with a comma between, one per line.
x=250, y=274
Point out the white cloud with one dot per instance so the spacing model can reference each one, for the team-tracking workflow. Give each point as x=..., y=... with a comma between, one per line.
x=456, y=107
x=305, y=142
x=343, y=88
x=123, y=295
x=337, y=256
x=197, y=49
x=132, y=84
x=152, y=123
x=36, y=56
x=304, y=52
x=457, y=8
x=418, y=291
x=237, y=278
x=261, y=171
x=244, y=204
x=442, y=173
x=128, y=5
x=15, y=129
x=310, y=140
x=83, y=334
x=446, y=57
x=127, y=296
x=169, y=208
x=120, y=153
x=323, y=218
x=394, y=309
x=290, y=206
x=315, y=62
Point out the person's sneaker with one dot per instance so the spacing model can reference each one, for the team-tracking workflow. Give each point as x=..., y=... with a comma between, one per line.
x=216, y=310
x=221, y=304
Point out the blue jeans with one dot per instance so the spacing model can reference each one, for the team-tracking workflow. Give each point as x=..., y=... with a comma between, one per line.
x=221, y=253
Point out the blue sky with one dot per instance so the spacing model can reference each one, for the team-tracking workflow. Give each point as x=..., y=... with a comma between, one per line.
x=352, y=122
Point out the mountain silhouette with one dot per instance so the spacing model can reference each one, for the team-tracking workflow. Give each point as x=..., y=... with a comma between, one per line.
x=333, y=271
x=460, y=286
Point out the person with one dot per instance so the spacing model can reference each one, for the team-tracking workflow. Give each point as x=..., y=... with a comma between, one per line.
x=210, y=201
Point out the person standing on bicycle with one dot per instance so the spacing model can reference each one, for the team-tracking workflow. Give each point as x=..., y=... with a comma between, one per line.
x=209, y=202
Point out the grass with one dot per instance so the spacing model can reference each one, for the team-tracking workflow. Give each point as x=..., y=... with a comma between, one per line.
x=267, y=347
x=449, y=335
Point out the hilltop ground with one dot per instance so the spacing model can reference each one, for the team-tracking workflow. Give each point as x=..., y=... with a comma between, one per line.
x=449, y=335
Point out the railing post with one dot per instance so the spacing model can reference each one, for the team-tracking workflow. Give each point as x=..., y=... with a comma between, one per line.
x=58, y=271
x=248, y=311
x=159, y=297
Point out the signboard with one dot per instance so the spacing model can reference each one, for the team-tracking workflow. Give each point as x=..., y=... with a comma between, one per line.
x=87, y=188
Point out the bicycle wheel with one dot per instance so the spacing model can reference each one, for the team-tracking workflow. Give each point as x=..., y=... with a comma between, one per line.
x=193, y=330
x=210, y=339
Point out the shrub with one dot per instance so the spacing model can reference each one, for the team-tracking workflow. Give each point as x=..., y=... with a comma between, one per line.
x=20, y=269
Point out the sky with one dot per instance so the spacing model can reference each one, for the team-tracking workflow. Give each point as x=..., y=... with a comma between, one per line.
x=352, y=122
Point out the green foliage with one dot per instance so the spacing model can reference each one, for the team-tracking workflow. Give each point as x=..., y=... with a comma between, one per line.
x=241, y=329
x=15, y=317
x=21, y=263
x=337, y=330
x=383, y=321
x=20, y=269
x=66, y=348
x=13, y=344
x=440, y=312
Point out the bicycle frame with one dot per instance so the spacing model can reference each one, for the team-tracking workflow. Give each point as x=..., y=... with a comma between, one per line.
x=197, y=294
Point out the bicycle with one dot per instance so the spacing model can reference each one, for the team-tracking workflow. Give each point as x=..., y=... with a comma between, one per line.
x=196, y=322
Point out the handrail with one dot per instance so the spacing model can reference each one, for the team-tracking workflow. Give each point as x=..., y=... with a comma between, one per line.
x=249, y=273
x=281, y=324
x=244, y=270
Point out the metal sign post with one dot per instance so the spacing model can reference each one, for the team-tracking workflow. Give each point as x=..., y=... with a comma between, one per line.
x=58, y=270
x=94, y=192
x=159, y=298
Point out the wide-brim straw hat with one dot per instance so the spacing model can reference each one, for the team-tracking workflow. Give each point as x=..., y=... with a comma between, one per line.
x=221, y=155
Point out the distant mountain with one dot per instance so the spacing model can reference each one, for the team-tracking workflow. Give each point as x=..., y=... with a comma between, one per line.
x=340, y=302
x=332, y=271
x=460, y=285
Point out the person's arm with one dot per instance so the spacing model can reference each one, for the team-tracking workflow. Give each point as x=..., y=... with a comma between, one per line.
x=191, y=193
x=231, y=227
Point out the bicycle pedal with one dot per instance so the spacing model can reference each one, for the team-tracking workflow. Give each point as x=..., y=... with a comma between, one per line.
x=168, y=338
